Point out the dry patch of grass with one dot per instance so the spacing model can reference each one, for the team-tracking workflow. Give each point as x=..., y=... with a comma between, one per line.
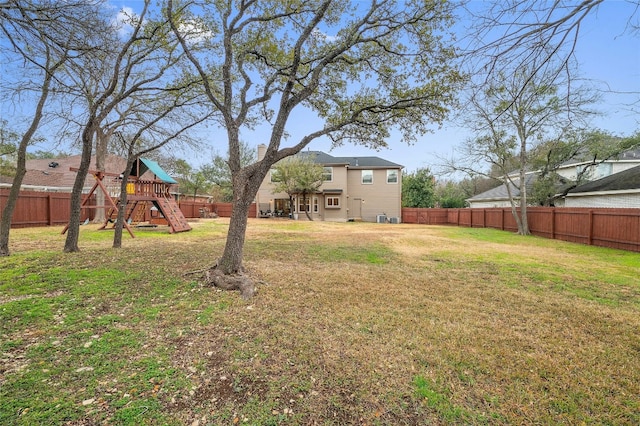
x=353, y=324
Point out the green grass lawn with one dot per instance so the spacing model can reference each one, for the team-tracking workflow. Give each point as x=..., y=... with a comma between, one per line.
x=353, y=323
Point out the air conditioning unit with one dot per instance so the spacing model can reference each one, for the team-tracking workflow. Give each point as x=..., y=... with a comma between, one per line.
x=381, y=218
x=394, y=220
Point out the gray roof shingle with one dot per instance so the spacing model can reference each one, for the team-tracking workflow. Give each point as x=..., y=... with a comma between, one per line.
x=500, y=192
x=353, y=162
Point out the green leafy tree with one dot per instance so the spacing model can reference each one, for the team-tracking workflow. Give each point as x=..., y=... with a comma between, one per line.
x=298, y=175
x=450, y=195
x=219, y=173
x=362, y=69
x=40, y=154
x=418, y=189
x=191, y=181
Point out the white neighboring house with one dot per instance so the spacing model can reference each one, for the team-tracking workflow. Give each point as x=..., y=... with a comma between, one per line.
x=621, y=190
x=497, y=197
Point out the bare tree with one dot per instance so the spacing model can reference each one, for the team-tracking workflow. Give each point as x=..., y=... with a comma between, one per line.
x=46, y=36
x=133, y=70
x=509, y=122
x=540, y=36
x=160, y=121
x=362, y=68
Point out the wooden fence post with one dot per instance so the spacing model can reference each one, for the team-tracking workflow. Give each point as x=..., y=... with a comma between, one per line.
x=590, y=227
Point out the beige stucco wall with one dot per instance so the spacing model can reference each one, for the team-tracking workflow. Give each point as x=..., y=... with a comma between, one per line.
x=366, y=201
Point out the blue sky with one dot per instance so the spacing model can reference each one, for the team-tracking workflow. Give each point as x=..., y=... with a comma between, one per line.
x=608, y=54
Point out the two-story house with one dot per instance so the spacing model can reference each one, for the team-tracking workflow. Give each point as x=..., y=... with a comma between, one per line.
x=354, y=188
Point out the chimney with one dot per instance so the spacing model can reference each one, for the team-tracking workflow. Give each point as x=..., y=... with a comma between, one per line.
x=262, y=150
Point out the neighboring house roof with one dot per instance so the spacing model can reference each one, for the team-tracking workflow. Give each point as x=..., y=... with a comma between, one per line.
x=500, y=192
x=624, y=180
x=56, y=174
x=369, y=162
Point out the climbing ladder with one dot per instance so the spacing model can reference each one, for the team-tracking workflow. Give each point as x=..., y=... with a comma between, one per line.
x=170, y=210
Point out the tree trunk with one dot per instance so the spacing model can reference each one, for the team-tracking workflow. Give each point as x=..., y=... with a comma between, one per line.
x=7, y=212
x=73, y=232
x=102, y=139
x=523, y=226
x=304, y=203
x=21, y=168
x=122, y=205
x=231, y=260
x=512, y=202
x=228, y=272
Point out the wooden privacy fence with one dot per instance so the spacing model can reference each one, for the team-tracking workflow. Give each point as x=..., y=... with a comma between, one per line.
x=605, y=227
x=40, y=208
x=54, y=208
x=615, y=228
x=192, y=209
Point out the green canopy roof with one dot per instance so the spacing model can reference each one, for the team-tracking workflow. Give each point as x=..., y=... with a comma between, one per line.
x=154, y=168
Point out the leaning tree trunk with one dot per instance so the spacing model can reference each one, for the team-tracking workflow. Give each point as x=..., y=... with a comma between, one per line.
x=102, y=139
x=21, y=165
x=7, y=212
x=304, y=203
x=512, y=202
x=73, y=232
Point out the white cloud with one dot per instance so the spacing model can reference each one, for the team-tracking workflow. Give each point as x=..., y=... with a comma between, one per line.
x=194, y=31
x=124, y=20
x=324, y=36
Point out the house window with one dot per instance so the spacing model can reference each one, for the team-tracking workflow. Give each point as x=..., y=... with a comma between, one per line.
x=315, y=204
x=392, y=176
x=332, y=202
x=274, y=176
x=327, y=174
x=603, y=170
x=367, y=176
x=302, y=206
